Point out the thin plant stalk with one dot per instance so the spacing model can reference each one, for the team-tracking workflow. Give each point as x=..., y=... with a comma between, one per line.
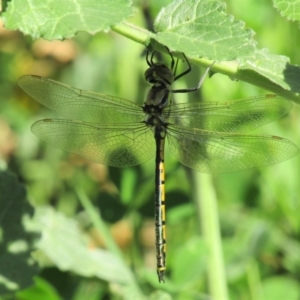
x=207, y=211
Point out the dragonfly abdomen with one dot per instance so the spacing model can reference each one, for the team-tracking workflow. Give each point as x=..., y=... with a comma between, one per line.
x=160, y=214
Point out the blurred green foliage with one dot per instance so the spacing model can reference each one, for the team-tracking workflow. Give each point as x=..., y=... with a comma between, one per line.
x=258, y=209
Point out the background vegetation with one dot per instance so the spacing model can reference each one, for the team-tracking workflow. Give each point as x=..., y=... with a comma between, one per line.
x=93, y=230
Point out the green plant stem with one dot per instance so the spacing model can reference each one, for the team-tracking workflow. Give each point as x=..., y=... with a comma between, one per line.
x=133, y=32
x=206, y=203
x=253, y=278
x=98, y=223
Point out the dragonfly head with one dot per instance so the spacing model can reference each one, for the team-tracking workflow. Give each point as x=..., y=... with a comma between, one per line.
x=159, y=73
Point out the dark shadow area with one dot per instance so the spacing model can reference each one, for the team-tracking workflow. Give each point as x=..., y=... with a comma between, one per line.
x=292, y=77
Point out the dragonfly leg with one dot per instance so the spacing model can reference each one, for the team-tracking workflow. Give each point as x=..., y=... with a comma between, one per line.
x=188, y=90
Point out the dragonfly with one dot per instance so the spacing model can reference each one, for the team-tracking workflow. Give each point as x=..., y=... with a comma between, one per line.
x=208, y=137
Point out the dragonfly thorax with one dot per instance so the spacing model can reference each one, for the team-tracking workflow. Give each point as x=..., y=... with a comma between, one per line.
x=153, y=115
x=157, y=100
x=158, y=96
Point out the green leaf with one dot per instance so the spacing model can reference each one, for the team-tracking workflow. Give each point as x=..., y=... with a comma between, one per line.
x=270, y=67
x=281, y=287
x=189, y=262
x=160, y=295
x=40, y=290
x=202, y=29
x=90, y=289
x=65, y=245
x=288, y=8
x=272, y=72
x=268, y=71
x=16, y=265
x=54, y=19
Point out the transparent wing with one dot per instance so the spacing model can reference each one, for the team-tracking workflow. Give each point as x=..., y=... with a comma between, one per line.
x=214, y=152
x=78, y=104
x=112, y=145
x=234, y=116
